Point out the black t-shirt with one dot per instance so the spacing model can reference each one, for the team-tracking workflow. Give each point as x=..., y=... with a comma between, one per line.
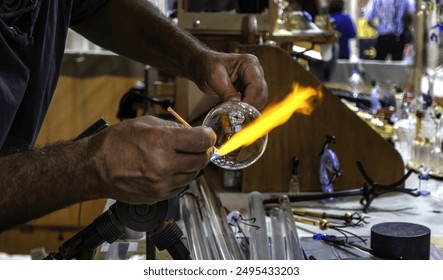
x=32, y=42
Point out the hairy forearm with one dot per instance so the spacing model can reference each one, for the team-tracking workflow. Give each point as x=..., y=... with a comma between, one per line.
x=37, y=182
x=137, y=29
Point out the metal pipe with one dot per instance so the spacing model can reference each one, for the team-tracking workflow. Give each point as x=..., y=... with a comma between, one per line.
x=347, y=217
x=258, y=236
x=420, y=22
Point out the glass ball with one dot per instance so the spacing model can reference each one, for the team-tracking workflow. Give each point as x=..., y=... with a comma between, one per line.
x=226, y=120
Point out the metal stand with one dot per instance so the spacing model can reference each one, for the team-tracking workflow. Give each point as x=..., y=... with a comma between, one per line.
x=110, y=226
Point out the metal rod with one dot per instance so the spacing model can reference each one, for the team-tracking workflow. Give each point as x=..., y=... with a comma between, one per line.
x=347, y=217
x=420, y=45
x=323, y=224
x=310, y=197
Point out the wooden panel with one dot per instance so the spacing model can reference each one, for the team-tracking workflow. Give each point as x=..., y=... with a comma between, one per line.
x=78, y=103
x=191, y=102
x=51, y=230
x=304, y=136
x=225, y=23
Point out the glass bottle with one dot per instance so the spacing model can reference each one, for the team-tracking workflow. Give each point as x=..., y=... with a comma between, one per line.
x=294, y=184
x=375, y=97
x=355, y=82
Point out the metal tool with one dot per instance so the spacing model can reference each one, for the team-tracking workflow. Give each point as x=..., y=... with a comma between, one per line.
x=340, y=242
x=369, y=191
x=347, y=217
x=96, y=127
x=323, y=224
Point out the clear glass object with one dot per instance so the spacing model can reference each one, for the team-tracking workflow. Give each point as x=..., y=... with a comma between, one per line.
x=294, y=184
x=258, y=236
x=328, y=163
x=215, y=225
x=226, y=120
x=278, y=248
x=424, y=184
x=355, y=82
x=294, y=250
x=198, y=244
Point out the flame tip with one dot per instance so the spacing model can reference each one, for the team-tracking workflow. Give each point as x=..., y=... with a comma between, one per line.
x=299, y=100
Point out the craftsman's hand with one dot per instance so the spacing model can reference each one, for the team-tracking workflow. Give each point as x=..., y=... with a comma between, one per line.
x=232, y=77
x=148, y=159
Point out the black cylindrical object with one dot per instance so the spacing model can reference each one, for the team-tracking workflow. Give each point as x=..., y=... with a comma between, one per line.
x=401, y=240
x=167, y=236
x=105, y=227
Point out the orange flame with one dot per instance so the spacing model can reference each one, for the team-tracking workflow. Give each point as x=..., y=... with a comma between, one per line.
x=299, y=100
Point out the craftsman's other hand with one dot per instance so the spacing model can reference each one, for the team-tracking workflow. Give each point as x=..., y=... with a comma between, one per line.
x=146, y=160
x=230, y=75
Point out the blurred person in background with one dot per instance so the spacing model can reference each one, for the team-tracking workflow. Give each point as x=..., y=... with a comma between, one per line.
x=391, y=18
x=343, y=24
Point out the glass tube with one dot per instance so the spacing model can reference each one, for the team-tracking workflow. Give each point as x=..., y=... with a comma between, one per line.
x=278, y=251
x=294, y=251
x=216, y=224
x=197, y=241
x=258, y=236
x=212, y=244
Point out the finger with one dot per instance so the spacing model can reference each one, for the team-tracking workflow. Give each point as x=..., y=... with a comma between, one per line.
x=224, y=87
x=179, y=191
x=193, y=140
x=191, y=162
x=154, y=121
x=256, y=93
x=180, y=181
x=255, y=86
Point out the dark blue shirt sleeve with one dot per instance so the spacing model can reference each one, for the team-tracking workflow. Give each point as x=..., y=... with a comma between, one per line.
x=84, y=9
x=349, y=28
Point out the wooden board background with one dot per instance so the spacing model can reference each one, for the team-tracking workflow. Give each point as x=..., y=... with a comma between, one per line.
x=304, y=136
